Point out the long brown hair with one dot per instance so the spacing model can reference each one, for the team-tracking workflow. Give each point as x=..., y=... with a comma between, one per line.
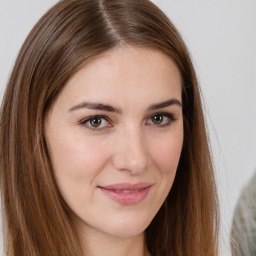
x=67, y=36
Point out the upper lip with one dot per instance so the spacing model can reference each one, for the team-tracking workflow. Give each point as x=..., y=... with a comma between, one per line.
x=127, y=186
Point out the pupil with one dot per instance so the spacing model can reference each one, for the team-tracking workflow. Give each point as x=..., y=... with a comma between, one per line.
x=95, y=122
x=157, y=119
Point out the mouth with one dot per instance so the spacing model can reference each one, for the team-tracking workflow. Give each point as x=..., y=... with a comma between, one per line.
x=126, y=193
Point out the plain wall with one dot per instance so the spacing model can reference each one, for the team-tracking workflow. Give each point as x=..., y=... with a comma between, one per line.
x=221, y=36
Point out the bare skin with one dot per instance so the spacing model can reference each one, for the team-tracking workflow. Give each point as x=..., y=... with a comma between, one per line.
x=117, y=121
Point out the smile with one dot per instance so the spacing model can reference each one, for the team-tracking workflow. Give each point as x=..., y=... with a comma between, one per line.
x=127, y=194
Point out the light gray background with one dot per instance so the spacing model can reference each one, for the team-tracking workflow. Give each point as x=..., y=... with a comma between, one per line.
x=221, y=36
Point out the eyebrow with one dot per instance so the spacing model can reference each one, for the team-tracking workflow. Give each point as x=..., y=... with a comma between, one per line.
x=96, y=106
x=165, y=104
x=109, y=108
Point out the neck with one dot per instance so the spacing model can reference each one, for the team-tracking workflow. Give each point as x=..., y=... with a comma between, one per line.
x=98, y=244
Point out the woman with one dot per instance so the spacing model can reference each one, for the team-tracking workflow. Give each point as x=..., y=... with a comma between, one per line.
x=103, y=143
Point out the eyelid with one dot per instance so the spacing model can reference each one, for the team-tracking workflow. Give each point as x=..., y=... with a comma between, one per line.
x=84, y=121
x=165, y=114
x=87, y=119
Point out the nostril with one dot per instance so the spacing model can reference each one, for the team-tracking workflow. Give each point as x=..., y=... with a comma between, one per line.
x=134, y=163
x=131, y=152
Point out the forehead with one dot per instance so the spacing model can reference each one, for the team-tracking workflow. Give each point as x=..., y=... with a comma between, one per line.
x=125, y=74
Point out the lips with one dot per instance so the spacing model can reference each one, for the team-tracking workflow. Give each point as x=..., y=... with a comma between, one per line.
x=126, y=193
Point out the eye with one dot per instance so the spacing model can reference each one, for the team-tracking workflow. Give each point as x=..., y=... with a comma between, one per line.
x=95, y=122
x=161, y=119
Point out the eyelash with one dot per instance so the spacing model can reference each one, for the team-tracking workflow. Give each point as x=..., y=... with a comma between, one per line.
x=170, y=119
x=86, y=122
x=89, y=119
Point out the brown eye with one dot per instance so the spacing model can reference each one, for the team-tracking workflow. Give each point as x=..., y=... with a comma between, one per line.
x=95, y=121
x=161, y=119
x=157, y=119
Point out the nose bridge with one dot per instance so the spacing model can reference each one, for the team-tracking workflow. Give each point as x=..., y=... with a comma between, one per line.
x=131, y=152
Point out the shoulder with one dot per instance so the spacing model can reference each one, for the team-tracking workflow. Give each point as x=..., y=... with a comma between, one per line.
x=243, y=233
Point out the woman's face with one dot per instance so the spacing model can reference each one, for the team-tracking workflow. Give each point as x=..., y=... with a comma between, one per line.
x=115, y=136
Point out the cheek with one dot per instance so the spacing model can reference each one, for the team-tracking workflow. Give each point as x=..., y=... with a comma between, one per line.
x=77, y=159
x=166, y=155
x=76, y=166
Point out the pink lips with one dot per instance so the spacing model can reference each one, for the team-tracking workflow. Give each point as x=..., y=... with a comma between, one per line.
x=126, y=193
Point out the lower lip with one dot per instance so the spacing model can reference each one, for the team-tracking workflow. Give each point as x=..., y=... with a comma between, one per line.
x=126, y=198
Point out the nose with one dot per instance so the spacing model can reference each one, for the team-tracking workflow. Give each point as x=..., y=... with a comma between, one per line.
x=131, y=152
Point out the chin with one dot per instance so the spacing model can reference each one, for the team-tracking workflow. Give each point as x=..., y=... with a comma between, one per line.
x=127, y=229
